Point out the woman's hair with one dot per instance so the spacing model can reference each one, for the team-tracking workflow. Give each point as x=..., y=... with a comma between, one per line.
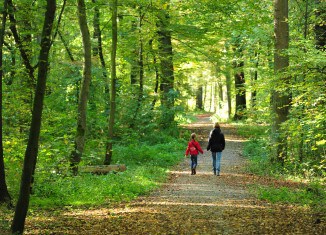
x=193, y=136
x=216, y=125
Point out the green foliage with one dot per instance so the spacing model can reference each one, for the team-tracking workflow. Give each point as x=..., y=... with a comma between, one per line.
x=145, y=138
x=147, y=166
x=312, y=195
x=252, y=130
x=257, y=151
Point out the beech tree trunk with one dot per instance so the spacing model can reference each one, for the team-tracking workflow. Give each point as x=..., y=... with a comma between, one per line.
x=166, y=65
x=157, y=78
x=109, y=144
x=98, y=48
x=4, y=194
x=239, y=81
x=32, y=145
x=199, y=97
x=77, y=153
x=228, y=91
x=254, y=81
x=280, y=99
x=139, y=69
x=320, y=26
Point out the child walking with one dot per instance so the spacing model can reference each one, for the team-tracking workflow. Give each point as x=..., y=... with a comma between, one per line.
x=193, y=149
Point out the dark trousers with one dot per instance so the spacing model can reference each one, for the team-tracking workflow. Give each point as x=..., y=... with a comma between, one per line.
x=193, y=161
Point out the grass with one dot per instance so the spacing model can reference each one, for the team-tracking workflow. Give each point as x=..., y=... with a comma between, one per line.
x=257, y=151
x=311, y=195
x=251, y=130
x=147, y=167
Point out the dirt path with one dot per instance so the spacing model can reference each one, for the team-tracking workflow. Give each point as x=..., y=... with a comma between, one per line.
x=200, y=204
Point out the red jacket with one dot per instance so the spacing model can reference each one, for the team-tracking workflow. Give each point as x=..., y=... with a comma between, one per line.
x=193, y=148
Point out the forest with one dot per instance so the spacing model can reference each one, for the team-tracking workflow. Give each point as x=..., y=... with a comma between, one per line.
x=107, y=82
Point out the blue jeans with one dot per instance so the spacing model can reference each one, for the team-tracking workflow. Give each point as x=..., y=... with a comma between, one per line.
x=216, y=156
x=193, y=161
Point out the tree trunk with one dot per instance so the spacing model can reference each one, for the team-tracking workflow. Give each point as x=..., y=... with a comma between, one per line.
x=240, y=98
x=254, y=81
x=134, y=55
x=239, y=81
x=212, y=96
x=32, y=145
x=166, y=65
x=156, y=73
x=98, y=49
x=4, y=193
x=109, y=144
x=199, y=97
x=220, y=94
x=228, y=92
x=205, y=95
x=280, y=100
x=140, y=68
x=320, y=26
x=65, y=44
x=84, y=90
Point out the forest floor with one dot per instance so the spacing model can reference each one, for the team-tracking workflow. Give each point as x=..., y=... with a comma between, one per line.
x=192, y=204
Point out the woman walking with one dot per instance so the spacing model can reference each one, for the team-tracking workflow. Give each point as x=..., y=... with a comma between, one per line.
x=193, y=149
x=216, y=145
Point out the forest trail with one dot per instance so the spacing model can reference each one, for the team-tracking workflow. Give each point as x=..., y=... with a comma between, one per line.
x=193, y=204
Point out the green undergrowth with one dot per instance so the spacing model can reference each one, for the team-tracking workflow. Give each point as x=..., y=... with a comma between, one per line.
x=147, y=167
x=257, y=150
x=313, y=194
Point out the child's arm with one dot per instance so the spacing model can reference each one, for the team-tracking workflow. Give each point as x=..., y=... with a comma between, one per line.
x=199, y=148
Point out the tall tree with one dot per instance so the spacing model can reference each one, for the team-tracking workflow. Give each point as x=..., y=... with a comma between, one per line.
x=254, y=79
x=109, y=144
x=84, y=90
x=139, y=70
x=320, y=26
x=157, y=77
x=199, y=97
x=280, y=98
x=32, y=145
x=98, y=48
x=4, y=194
x=228, y=91
x=239, y=81
x=166, y=63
